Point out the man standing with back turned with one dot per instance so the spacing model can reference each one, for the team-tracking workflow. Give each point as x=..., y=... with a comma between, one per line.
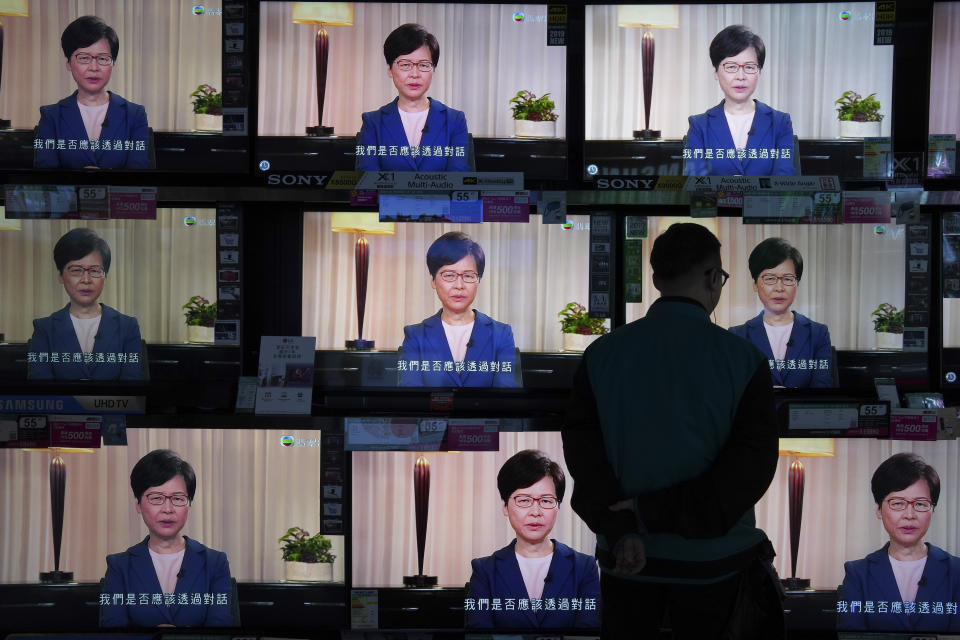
x=671, y=438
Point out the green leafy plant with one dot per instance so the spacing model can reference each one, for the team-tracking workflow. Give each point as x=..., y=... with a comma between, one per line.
x=527, y=106
x=200, y=312
x=300, y=546
x=207, y=99
x=886, y=319
x=853, y=107
x=574, y=319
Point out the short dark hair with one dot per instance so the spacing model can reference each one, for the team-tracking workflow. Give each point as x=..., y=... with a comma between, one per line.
x=681, y=248
x=772, y=252
x=452, y=247
x=158, y=467
x=86, y=30
x=901, y=470
x=407, y=38
x=731, y=41
x=526, y=468
x=77, y=243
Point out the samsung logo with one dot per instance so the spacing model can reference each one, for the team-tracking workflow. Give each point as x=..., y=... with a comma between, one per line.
x=290, y=180
x=626, y=183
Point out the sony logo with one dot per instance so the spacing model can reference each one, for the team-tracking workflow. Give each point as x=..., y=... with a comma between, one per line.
x=626, y=183
x=290, y=179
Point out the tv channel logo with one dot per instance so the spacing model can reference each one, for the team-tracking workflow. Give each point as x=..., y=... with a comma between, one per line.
x=518, y=16
x=190, y=221
x=286, y=441
x=198, y=10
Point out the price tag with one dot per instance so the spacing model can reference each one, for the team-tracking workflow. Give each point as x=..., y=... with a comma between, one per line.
x=93, y=203
x=826, y=207
x=873, y=410
x=463, y=196
x=35, y=423
x=139, y=203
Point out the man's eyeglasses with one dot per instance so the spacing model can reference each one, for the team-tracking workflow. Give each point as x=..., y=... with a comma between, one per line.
x=724, y=276
x=900, y=504
x=788, y=280
x=407, y=65
x=77, y=271
x=469, y=277
x=545, y=502
x=103, y=60
x=733, y=67
x=177, y=499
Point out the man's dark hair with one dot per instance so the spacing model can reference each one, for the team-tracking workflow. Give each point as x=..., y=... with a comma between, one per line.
x=407, y=38
x=771, y=252
x=527, y=468
x=77, y=243
x=731, y=41
x=452, y=247
x=681, y=248
x=901, y=470
x=158, y=467
x=86, y=30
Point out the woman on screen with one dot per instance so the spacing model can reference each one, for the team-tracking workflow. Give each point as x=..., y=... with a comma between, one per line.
x=906, y=569
x=86, y=340
x=752, y=138
x=414, y=132
x=534, y=566
x=92, y=128
x=798, y=348
x=458, y=346
x=166, y=566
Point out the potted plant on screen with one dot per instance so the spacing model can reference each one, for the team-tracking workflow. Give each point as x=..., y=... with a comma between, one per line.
x=888, y=323
x=859, y=117
x=578, y=328
x=306, y=558
x=533, y=117
x=207, y=108
x=200, y=314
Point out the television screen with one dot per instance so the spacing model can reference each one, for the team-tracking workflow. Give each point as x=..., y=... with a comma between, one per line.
x=734, y=92
x=828, y=283
x=86, y=297
x=215, y=503
x=446, y=305
x=122, y=85
x=443, y=101
x=944, y=91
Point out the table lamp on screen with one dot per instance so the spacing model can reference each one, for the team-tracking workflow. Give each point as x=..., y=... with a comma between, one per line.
x=9, y=8
x=798, y=448
x=421, y=501
x=362, y=224
x=324, y=14
x=648, y=17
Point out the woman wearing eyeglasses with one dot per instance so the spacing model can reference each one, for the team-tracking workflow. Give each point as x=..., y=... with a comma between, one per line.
x=739, y=136
x=798, y=348
x=93, y=128
x=908, y=576
x=545, y=574
x=414, y=132
x=458, y=346
x=86, y=340
x=166, y=569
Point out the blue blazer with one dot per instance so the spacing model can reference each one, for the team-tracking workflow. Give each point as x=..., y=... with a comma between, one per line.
x=61, y=121
x=771, y=130
x=445, y=127
x=490, y=341
x=809, y=340
x=204, y=570
x=117, y=334
x=573, y=575
x=872, y=579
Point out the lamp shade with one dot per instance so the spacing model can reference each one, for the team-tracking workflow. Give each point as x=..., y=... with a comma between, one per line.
x=807, y=447
x=361, y=222
x=648, y=16
x=332, y=14
x=14, y=8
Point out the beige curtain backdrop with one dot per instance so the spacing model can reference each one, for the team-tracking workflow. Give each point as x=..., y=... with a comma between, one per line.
x=485, y=59
x=156, y=266
x=812, y=58
x=165, y=53
x=945, y=69
x=533, y=270
x=466, y=520
x=250, y=490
